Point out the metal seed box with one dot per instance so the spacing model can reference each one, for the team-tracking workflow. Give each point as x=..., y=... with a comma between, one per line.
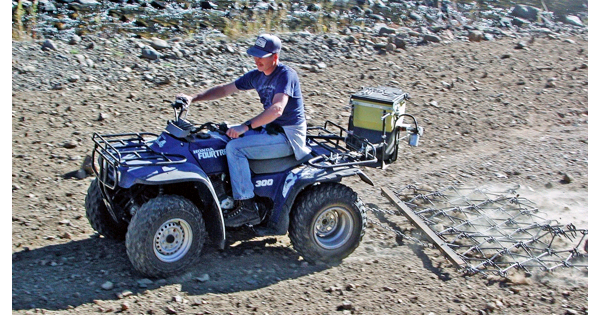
x=370, y=104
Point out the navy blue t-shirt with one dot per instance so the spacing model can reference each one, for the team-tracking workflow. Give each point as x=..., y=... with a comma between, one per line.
x=283, y=80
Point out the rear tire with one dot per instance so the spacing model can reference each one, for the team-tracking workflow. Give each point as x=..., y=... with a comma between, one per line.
x=99, y=217
x=328, y=223
x=165, y=236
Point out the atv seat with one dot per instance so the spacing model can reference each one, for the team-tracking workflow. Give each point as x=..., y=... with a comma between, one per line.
x=262, y=166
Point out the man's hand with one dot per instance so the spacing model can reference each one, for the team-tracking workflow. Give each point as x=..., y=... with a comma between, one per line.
x=236, y=131
x=182, y=101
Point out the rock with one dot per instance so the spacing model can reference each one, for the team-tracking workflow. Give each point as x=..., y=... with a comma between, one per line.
x=384, y=30
x=520, y=22
x=143, y=283
x=346, y=305
x=27, y=69
x=81, y=59
x=207, y=5
x=203, y=278
x=73, y=78
x=87, y=2
x=46, y=6
x=566, y=179
x=158, y=4
x=314, y=7
x=490, y=306
x=475, y=36
x=107, y=286
x=159, y=44
x=150, y=53
x=415, y=16
x=48, y=45
x=526, y=12
x=432, y=38
x=573, y=20
x=124, y=306
x=70, y=144
x=521, y=45
x=399, y=42
x=125, y=293
x=74, y=40
x=102, y=117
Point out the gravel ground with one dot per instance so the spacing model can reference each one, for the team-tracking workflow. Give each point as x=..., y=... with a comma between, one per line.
x=503, y=112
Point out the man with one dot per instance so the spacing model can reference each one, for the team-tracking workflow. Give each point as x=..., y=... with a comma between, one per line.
x=279, y=131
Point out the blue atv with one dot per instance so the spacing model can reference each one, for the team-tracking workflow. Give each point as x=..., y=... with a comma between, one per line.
x=165, y=194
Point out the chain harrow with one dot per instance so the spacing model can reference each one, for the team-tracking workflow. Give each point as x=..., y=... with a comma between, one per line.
x=490, y=232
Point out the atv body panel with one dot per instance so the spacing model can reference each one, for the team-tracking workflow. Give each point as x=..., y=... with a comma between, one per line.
x=172, y=186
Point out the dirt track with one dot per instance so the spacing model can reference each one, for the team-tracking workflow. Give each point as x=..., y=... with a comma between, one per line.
x=493, y=114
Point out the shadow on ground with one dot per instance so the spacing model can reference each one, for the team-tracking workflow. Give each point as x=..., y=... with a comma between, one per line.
x=75, y=273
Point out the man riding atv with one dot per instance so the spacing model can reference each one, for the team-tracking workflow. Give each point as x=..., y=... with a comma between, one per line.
x=279, y=131
x=167, y=194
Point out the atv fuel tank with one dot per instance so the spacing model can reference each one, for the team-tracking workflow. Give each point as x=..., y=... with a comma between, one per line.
x=209, y=151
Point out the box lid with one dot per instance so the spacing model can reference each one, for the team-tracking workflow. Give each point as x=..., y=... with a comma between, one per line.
x=380, y=94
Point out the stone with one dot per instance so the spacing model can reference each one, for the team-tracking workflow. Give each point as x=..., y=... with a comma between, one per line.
x=475, y=36
x=432, y=38
x=203, y=278
x=526, y=12
x=48, y=45
x=384, y=30
x=150, y=53
x=566, y=179
x=107, y=286
x=573, y=20
x=159, y=44
x=70, y=144
x=74, y=40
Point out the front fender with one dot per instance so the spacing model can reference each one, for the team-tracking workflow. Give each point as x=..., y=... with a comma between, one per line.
x=189, y=173
x=165, y=174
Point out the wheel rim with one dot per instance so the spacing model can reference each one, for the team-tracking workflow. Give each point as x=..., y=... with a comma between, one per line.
x=173, y=240
x=333, y=227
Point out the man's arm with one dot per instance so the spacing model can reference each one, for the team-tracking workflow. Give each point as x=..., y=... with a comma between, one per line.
x=266, y=117
x=273, y=112
x=215, y=92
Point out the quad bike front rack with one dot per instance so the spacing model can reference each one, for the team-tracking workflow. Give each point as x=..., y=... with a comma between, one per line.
x=126, y=150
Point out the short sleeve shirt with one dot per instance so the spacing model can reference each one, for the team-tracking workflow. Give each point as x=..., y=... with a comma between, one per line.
x=282, y=80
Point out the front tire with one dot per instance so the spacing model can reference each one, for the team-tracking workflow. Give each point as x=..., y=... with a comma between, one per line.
x=328, y=223
x=99, y=217
x=166, y=236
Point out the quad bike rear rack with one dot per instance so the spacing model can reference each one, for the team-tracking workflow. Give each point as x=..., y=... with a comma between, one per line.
x=126, y=150
x=334, y=148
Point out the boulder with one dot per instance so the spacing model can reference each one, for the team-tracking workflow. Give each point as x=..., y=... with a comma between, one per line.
x=526, y=12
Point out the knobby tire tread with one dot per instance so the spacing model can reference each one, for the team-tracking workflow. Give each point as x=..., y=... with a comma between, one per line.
x=98, y=216
x=142, y=229
x=313, y=200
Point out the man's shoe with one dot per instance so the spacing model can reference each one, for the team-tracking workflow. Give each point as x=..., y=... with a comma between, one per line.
x=244, y=213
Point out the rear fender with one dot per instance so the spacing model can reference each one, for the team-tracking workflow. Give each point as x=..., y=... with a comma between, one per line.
x=297, y=181
x=180, y=173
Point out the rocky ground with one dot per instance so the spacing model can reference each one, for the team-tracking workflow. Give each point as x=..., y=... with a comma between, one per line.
x=502, y=112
